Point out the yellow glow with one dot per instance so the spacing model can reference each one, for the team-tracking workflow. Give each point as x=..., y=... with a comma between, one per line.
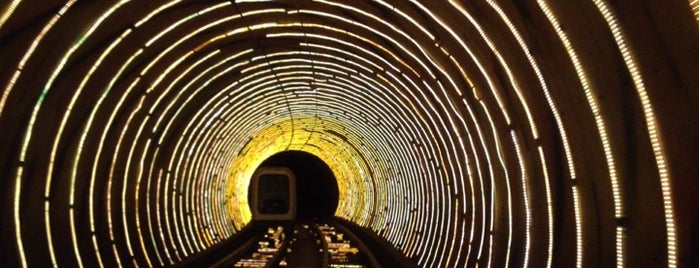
x=295, y=135
x=9, y=9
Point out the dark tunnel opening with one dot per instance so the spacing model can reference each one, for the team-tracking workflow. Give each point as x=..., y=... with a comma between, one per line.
x=317, y=193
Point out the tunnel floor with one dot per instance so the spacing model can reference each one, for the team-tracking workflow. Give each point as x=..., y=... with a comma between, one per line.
x=304, y=244
x=331, y=242
x=305, y=249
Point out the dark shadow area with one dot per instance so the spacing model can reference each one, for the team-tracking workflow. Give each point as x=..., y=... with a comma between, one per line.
x=317, y=194
x=232, y=248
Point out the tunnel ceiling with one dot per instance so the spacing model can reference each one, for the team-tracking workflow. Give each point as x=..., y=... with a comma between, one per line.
x=465, y=133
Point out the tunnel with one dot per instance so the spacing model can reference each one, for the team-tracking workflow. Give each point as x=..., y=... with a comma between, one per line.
x=487, y=133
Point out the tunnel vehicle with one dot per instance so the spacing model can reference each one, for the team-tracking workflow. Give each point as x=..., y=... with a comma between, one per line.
x=273, y=195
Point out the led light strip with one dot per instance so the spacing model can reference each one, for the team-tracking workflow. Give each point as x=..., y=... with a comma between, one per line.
x=602, y=130
x=571, y=166
x=29, y=130
x=653, y=132
x=391, y=96
x=9, y=9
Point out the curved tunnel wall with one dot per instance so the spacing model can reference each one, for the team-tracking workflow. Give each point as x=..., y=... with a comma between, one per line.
x=487, y=133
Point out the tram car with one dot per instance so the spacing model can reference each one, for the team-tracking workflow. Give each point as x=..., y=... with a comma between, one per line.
x=273, y=196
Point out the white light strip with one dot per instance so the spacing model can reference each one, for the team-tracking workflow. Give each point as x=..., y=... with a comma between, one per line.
x=378, y=91
x=29, y=130
x=525, y=195
x=653, y=131
x=601, y=128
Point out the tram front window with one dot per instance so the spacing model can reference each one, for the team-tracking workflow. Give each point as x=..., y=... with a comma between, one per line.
x=273, y=195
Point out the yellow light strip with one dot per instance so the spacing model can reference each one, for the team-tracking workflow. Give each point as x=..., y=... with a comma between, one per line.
x=9, y=9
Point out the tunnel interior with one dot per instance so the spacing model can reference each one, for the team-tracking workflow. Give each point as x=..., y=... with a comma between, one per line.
x=316, y=187
x=494, y=133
